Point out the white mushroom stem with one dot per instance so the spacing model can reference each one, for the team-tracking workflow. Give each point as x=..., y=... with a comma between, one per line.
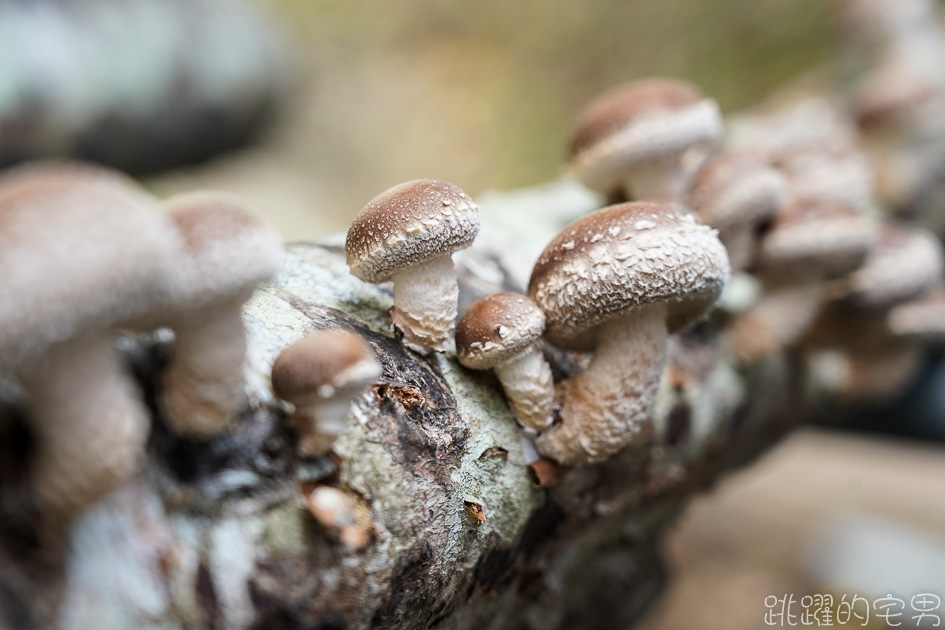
x=323, y=416
x=607, y=407
x=658, y=180
x=777, y=321
x=89, y=422
x=526, y=379
x=203, y=384
x=320, y=423
x=425, y=297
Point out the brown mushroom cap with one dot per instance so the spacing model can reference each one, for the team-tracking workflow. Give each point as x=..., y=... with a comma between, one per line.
x=407, y=225
x=324, y=359
x=496, y=328
x=229, y=251
x=735, y=188
x=638, y=121
x=906, y=262
x=815, y=238
x=81, y=247
x=625, y=257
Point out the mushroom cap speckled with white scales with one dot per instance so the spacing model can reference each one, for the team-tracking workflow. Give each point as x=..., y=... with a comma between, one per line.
x=407, y=225
x=625, y=257
x=496, y=328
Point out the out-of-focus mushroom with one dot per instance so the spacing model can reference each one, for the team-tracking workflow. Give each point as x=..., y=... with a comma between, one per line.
x=227, y=253
x=868, y=343
x=322, y=374
x=736, y=193
x=810, y=242
x=408, y=234
x=83, y=251
x=645, y=137
x=905, y=263
x=816, y=145
x=502, y=332
x=617, y=281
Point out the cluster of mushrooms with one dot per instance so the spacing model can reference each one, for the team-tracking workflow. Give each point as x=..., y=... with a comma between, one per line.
x=86, y=253
x=785, y=203
x=778, y=221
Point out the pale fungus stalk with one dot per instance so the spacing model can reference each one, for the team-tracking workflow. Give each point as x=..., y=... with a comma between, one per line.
x=89, y=421
x=526, y=379
x=425, y=298
x=321, y=375
x=204, y=380
x=610, y=401
x=227, y=253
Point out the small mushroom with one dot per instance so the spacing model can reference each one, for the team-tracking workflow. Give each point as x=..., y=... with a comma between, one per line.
x=502, y=332
x=227, y=253
x=867, y=344
x=617, y=281
x=736, y=193
x=810, y=242
x=645, y=137
x=816, y=145
x=905, y=263
x=408, y=234
x=322, y=374
x=83, y=251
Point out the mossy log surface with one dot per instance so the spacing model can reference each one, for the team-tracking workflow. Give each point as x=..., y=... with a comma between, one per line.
x=217, y=534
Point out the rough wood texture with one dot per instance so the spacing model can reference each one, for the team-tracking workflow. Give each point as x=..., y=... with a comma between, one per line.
x=217, y=535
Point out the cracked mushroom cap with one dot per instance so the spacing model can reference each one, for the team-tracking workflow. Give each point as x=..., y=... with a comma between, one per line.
x=639, y=121
x=322, y=363
x=815, y=238
x=81, y=248
x=905, y=263
x=625, y=257
x=734, y=188
x=496, y=328
x=229, y=251
x=409, y=224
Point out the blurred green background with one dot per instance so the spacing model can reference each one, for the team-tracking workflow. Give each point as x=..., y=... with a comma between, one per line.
x=483, y=94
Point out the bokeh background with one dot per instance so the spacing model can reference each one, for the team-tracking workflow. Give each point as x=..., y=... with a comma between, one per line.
x=483, y=95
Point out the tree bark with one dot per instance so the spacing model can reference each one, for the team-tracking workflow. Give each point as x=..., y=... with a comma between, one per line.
x=217, y=534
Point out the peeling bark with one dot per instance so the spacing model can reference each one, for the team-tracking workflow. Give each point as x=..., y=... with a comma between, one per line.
x=217, y=534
